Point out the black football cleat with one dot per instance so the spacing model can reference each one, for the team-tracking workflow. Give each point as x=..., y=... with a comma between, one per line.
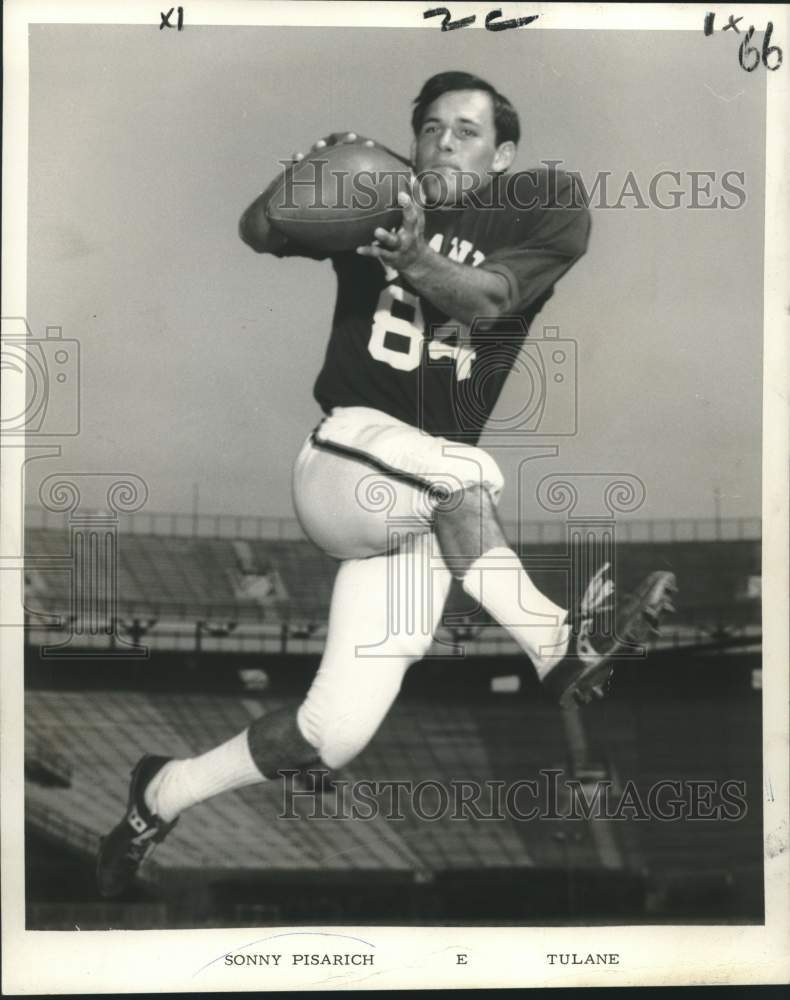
x=585, y=672
x=128, y=844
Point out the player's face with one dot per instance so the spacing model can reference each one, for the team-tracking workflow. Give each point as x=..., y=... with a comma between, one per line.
x=456, y=148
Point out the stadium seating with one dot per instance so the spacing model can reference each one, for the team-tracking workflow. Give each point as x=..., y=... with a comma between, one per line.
x=428, y=741
x=187, y=577
x=83, y=736
x=307, y=573
x=190, y=578
x=102, y=733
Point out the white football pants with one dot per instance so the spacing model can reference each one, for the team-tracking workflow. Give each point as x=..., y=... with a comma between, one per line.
x=365, y=487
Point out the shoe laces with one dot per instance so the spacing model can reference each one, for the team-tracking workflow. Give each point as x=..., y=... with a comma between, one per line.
x=598, y=593
x=142, y=845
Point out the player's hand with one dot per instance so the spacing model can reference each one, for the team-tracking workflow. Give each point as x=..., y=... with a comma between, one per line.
x=333, y=140
x=404, y=247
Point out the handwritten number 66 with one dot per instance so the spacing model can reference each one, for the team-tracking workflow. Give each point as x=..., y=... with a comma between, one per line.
x=749, y=55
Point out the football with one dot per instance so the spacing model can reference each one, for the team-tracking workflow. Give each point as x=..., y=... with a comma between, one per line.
x=335, y=197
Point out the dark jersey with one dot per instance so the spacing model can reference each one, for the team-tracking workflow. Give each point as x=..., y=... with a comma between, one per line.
x=392, y=350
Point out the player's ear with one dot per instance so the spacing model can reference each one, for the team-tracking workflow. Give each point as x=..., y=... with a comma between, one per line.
x=504, y=156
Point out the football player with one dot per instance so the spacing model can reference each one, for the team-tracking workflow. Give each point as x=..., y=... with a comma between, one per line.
x=429, y=321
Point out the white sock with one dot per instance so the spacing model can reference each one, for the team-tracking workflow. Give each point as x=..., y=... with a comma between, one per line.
x=183, y=783
x=498, y=581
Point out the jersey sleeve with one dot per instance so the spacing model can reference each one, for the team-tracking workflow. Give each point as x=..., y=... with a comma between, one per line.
x=548, y=231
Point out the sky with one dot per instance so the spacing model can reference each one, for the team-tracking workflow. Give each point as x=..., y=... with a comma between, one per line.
x=199, y=356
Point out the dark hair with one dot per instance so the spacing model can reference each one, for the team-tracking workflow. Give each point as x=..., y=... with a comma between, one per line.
x=505, y=116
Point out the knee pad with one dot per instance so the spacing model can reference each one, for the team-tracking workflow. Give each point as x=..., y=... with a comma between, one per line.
x=276, y=742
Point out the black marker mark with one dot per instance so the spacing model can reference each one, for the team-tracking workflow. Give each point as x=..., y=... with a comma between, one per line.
x=749, y=56
x=514, y=22
x=768, y=49
x=747, y=47
x=747, y=50
x=447, y=23
x=164, y=19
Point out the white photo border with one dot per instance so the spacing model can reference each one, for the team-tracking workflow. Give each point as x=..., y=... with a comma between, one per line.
x=41, y=962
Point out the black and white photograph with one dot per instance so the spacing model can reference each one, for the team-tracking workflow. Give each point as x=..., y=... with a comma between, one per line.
x=394, y=496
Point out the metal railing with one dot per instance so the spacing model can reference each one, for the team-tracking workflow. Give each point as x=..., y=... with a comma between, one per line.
x=719, y=626
x=247, y=526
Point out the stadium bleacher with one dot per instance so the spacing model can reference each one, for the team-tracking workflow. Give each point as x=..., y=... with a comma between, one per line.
x=689, y=712
x=176, y=579
x=429, y=737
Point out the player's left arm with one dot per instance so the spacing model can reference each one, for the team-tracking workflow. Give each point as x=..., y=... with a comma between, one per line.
x=460, y=292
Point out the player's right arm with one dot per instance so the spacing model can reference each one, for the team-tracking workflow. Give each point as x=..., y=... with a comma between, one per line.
x=254, y=227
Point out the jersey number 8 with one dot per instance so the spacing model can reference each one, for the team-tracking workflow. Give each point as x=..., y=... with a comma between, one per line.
x=397, y=335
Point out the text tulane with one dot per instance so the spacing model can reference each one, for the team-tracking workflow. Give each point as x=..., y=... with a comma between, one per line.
x=572, y=958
